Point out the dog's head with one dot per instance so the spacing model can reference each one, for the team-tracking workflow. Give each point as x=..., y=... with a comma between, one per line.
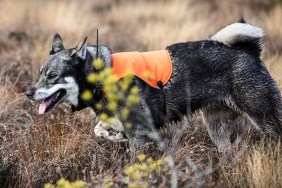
x=59, y=76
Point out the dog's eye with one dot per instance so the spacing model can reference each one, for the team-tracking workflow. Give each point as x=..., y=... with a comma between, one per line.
x=52, y=76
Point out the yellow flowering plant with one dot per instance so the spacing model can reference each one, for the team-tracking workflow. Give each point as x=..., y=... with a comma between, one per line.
x=120, y=94
x=62, y=183
x=140, y=174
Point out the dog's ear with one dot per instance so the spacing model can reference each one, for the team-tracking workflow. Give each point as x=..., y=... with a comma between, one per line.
x=57, y=44
x=80, y=49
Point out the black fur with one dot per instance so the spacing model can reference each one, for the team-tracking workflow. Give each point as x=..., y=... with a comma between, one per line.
x=206, y=73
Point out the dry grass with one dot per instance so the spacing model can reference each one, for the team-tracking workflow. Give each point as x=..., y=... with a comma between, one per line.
x=58, y=16
x=261, y=167
x=39, y=149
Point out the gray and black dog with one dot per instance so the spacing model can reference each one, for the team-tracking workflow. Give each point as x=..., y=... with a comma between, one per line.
x=222, y=76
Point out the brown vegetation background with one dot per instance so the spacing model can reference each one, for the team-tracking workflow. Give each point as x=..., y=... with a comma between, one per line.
x=38, y=149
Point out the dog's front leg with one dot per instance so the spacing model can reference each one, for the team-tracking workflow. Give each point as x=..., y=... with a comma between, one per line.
x=113, y=130
x=138, y=125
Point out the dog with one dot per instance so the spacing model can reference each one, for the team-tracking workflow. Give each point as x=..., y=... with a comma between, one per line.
x=222, y=76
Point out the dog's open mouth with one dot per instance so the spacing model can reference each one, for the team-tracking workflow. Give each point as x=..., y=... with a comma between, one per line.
x=52, y=101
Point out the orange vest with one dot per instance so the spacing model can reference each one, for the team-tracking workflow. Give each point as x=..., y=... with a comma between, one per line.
x=151, y=67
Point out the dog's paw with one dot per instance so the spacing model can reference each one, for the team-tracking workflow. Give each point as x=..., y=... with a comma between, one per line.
x=113, y=132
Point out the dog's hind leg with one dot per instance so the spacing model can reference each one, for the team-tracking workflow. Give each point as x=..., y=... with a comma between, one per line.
x=267, y=117
x=225, y=126
x=260, y=98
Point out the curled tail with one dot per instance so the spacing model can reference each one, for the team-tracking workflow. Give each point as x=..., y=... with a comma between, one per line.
x=241, y=35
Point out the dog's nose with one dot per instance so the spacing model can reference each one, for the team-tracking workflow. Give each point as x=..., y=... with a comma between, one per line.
x=30, y=93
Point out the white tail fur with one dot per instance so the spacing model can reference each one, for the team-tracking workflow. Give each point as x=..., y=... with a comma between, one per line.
x=238, y=32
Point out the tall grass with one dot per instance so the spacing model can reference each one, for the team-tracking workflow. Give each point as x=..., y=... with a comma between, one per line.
x=260, y=167
x=38, y=149
x=60, y=16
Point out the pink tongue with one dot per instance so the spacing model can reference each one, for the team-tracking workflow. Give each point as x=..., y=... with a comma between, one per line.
x=43, y=106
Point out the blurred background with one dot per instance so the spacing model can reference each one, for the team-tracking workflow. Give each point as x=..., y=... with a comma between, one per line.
x=36, y=150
